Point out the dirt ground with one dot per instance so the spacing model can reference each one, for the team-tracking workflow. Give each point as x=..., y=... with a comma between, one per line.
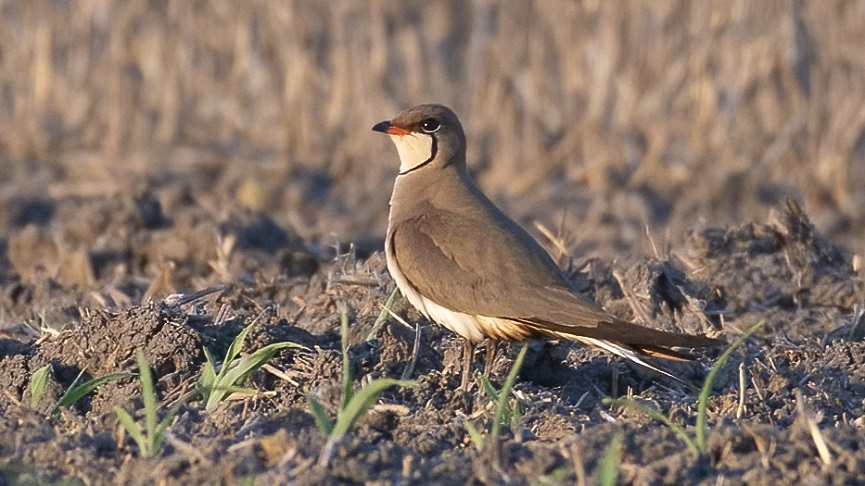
x=807, y=365
x=149, y=151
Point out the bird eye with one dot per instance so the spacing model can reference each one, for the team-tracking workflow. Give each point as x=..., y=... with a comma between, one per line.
x=430, y=125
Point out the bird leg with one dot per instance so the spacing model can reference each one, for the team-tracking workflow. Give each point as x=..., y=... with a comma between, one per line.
x=490, y=357
x=468, y=352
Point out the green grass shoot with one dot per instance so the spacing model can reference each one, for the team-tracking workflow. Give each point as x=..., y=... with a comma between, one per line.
x=382, y=316
x=504, y=411
x=507, y=411
x=352, y=405
x=702, y=431
x=699, y=444
x=218, y=381
x=608, y=468
x=478, y=439
x=75, y=391
x=149, y=438
x=38, y=382
x=678, y=430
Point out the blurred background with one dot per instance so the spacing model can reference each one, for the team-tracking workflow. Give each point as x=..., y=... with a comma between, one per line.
x=616, y=127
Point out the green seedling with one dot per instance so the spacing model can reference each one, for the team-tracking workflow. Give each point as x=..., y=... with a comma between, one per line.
x=679, y=431
x=699, y=444
x=78, y=390
x=475, y=435
x=507, y=411
x=382, y=316
x=217, y=381
x=352, y=405
x=608, y=468
x=702, y=431
x=39, y=381
x=151, y=437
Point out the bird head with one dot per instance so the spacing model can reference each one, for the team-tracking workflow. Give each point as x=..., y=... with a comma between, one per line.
x=426, y=135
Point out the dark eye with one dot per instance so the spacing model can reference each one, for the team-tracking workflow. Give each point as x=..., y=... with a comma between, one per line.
x=430, y=125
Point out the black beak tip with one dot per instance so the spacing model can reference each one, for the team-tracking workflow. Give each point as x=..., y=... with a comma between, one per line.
x=381, y=126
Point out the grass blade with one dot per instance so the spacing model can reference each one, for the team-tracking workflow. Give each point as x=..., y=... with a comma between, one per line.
x=76, y=391
x=489, y=389
x=236, y=345
x=347, y=379
x=208, y=374
x=132, y=428
x=703, y=401
x=361, y=402
x=38, y=382
x=152, y=435
x=235, y=371
x=504, y=394
x=239, y=369
x=157, y=436
x=325, y=426
x=656, y=415
x=382, y=316
x=148, y=393
x=608, y=469
x=475, y=435
x=166, y=421
x=72, y=386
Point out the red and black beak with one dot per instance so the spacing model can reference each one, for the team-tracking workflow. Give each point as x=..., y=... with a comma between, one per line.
x=390, y=129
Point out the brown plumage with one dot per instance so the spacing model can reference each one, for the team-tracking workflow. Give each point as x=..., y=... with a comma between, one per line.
x=464, y=264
